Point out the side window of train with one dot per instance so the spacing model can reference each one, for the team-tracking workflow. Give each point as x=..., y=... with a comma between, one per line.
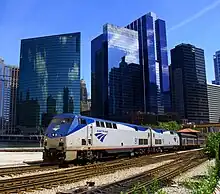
x=83, y=142
x=158, y=141
x=108, y=125
x=97, y=124
x=102, y=124
x=171, y=132
x=143, y=141
x=82, y=121
x=114, y=126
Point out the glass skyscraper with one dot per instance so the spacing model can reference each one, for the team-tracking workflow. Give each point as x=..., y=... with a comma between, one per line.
x=117, y=76
x=8, y=95
x=49, y=80
x=189, y=86
x=216, y=59
x=154, y=59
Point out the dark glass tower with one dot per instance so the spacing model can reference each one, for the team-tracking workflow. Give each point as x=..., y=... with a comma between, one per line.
x=216, y=59
x=117, y=81
x=189, y=87
x=154, y=59
x=49, y=80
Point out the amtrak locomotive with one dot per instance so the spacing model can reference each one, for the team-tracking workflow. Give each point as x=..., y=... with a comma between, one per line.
x=69, y=137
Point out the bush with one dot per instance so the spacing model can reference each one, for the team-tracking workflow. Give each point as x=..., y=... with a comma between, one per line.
x=212, y=145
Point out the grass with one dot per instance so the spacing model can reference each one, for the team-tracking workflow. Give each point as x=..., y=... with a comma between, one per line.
x=152, y=189
x=206, y=184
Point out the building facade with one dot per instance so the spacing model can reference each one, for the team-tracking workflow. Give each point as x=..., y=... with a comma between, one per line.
x=216, y=59
x=85, y=106
x=214, y=103
x=49, y=80
x=188, y=83
x=83, y=91
x=117, y=78
x=154, y=60
x=8, y=96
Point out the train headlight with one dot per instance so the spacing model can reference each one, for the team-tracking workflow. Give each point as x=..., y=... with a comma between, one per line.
x=61, y=139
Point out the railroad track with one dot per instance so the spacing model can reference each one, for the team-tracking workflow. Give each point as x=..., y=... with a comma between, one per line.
x=162, y=173
x=51, y=179
x=10, y=171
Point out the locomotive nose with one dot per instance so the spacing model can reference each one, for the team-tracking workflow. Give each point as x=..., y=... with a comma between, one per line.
x=57, y=143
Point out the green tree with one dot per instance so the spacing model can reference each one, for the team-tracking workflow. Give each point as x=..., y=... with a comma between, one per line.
x=171, y=125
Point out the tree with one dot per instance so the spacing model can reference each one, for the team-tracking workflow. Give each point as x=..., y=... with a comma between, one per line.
x=171, y=125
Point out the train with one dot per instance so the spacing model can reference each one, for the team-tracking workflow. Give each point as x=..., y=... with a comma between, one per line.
x=71, y=137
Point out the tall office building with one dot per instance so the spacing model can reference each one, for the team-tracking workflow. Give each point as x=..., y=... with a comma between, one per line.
x=8, y=95
x=83, y=89
x=117, y=81
x=214, y=103
x=216, y=59
x=189, y=87
x=154, y=59
x=14, y=74
x=84, y=97
x=49, y=80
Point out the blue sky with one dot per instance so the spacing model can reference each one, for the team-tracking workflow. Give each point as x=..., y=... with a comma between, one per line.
x=188, y=21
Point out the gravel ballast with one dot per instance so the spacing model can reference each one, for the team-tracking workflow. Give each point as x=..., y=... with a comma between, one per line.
x=104, y=179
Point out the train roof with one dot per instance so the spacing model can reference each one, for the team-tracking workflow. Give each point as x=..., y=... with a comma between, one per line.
x=136, y=127
x=139, y=127
x=158, y=130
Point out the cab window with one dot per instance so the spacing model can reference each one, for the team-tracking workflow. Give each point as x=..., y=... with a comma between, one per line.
x=97, y=124
x=82, y=121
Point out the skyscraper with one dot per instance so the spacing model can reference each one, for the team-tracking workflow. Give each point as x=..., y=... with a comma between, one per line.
x=117, y=81
x=154, y=59
x=84, y=97
x=189, y=87
x=216, y=59
x=49, y=81
x=8, y=95
x=14, y=72
x=84, y=93
x=214, y=103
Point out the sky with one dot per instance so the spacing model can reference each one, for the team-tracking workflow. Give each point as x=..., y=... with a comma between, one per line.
x=189, y=21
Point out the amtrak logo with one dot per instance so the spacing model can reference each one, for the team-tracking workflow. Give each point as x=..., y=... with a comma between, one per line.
x=101, y=136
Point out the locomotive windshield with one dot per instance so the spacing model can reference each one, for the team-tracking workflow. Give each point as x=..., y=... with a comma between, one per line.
x=59, y=126
x=59, y=121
